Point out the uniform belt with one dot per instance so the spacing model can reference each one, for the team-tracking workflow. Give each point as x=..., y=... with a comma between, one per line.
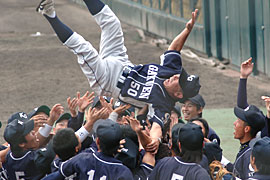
x=123, y=76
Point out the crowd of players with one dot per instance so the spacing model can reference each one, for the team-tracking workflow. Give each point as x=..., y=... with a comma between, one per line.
x=103, y=138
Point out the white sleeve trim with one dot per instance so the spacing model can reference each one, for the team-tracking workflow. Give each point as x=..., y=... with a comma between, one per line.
x=45, y=131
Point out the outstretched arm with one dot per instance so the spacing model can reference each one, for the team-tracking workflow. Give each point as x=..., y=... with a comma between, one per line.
x=179, y=41
x=245, y=71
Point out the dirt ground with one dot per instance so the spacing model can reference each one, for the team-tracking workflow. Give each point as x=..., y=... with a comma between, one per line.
x=36, y=69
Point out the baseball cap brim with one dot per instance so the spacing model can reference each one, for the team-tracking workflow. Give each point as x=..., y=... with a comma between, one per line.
x=239, y=112
x=29, y=126
x=42, y=108
x=62, y=117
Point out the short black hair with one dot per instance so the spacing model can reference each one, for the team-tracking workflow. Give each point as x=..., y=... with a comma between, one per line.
x=64, y=143
x=253, y=132
x=205, y=125
x=263, y=167
x=189, y=156
x=107, y=149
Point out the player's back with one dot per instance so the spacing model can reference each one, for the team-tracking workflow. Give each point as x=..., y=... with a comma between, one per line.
x=95, y=166
x=22, y=166
x=173, y=168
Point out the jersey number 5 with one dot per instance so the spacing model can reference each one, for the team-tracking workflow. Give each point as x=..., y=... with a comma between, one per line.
x=91, y=175
x=19, y=175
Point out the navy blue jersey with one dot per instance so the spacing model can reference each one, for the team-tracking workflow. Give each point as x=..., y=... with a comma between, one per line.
x=213, y=137
x=258, y=176
x=29, y=165
x=95, y=166
x=172, y=168
x=144, y=85
x=142, y=172
x=242, y=167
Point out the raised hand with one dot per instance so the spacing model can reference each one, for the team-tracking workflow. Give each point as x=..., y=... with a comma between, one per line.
x=119, y=110
x=55, y=113
x=92, y=115
x=105, y=104
x=85, y=100
x=267, y=104
x=72, y=105
x=191, y=22
x=246, y=68
x=39, y=121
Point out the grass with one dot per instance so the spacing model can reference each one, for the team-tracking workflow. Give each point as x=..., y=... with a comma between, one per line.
x=221, y=120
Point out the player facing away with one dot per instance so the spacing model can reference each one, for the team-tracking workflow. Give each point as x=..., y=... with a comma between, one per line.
x=111, y=73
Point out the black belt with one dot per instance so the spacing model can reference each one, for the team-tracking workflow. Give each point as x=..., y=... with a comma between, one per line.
x=124, y=75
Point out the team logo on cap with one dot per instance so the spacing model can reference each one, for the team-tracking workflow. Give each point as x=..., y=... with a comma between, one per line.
x=23, y=115
x=247, y=109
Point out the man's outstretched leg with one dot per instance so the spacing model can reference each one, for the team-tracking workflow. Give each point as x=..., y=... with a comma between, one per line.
x=102, y=70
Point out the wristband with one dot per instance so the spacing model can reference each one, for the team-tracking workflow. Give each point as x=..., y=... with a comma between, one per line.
x=224, y=161
x=82, y=133
x=45, y=131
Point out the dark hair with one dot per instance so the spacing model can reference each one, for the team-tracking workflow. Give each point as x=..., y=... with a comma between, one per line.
x=175, y=147
x=64, y=143
x=108, y=149
x=130, y=133
x=205, y=125
x=262, y=167
x=163, y=151
x=15, y=146
x=253, y=132
x=190, y=156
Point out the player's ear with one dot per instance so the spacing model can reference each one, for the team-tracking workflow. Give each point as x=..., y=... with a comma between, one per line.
x=179, y=145
x=247, y=129
x=98, y=142
x=22, y=145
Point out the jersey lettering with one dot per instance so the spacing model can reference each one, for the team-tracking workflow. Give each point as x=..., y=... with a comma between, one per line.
x=92, y=173
x=19, y=175
x=177, y=177
x=150, y=79
x=134, y=88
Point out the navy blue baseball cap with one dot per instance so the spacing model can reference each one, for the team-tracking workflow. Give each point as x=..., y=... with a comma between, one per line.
x=190, y=85
x=108, y=131
x=261, y=150
x=64, y=116
x=212, y=151
x=175, y=133
x=18, y=115
x=252, y=115
x=191, y=137
x=42, y=108
x=198, y=100
x=17, y=129
x=129, y=154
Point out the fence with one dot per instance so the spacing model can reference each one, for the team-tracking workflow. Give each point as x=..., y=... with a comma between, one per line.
x=225, y=29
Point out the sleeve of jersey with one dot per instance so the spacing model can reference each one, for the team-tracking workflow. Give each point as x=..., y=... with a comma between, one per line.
x=171, y=59
x=155, y=172
x=158, y=117
x=68, y=167
x=143, y=172
x=44, y=157
x=76, y=122
x=55, y=176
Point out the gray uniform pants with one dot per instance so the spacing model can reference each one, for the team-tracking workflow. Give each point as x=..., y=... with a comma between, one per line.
x=102, y=69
